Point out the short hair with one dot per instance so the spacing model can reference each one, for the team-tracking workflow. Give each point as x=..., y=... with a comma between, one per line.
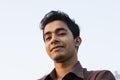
x=58, y=15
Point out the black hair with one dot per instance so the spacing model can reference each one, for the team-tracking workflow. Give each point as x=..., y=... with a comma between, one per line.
x=58, y=15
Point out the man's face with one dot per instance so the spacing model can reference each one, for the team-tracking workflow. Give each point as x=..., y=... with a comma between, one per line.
x=59, y=41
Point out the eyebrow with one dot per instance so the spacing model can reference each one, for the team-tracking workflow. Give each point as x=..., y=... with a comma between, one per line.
x=47, y=33
x=57, y=30
x=60, y=29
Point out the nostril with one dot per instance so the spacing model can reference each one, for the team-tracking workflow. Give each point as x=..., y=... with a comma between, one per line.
x=54, y=41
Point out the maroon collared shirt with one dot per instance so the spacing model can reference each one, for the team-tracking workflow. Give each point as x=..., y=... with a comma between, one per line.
x=79, y=73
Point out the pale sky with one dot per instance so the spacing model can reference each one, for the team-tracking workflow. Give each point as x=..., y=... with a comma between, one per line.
x=22, y=51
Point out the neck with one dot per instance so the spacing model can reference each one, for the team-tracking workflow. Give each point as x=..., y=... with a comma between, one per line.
x=64, y=67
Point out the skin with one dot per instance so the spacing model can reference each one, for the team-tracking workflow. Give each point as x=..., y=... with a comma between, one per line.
x=61, y=47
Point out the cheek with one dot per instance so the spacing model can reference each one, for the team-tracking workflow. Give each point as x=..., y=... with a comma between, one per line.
x=47, y=48
x=70, y=44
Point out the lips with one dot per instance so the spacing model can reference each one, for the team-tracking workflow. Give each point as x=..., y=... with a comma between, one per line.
x=56, y=47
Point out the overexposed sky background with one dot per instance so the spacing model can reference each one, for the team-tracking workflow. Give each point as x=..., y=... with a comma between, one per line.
x=22, y=52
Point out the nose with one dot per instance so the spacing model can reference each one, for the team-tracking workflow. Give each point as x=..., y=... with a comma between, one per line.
x=55, y=39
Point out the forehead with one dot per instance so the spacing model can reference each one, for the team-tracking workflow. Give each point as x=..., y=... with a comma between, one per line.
x=53, y=26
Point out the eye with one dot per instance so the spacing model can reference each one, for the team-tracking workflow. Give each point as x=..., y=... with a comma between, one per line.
x=47, y=38
x=62, y=33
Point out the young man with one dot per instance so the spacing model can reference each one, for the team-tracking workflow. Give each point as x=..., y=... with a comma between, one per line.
x=62, y=40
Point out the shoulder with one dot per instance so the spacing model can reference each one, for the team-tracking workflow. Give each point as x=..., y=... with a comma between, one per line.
x=43, y=78
x=101, y=75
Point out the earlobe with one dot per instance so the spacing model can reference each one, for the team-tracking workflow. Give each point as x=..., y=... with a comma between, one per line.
x=78, y=41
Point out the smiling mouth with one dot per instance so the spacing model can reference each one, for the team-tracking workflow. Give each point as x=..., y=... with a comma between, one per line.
x=56, y=48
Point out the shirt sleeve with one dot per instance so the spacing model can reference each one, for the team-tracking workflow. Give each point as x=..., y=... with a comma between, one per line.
x=104, y=75
x=101, y=75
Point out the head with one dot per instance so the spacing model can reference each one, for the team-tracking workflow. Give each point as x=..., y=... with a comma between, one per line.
x=61, y=35
x=58, y=15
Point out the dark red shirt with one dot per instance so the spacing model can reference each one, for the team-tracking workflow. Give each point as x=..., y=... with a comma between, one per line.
x=79, y=73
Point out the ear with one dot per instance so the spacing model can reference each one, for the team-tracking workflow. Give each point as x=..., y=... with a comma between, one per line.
x=78, y=41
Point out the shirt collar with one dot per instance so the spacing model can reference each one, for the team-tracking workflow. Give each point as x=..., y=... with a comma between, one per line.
x=77, y=70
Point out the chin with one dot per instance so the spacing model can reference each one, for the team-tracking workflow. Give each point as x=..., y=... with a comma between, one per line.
x=59, y=59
